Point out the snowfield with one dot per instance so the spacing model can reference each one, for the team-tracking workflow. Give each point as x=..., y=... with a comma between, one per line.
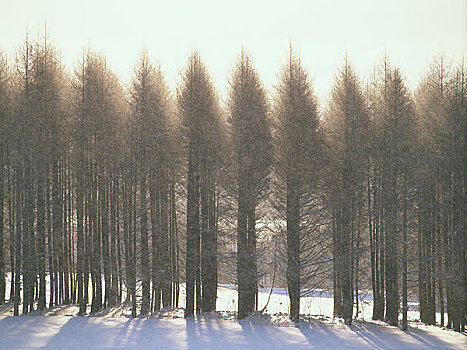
x=60, y=328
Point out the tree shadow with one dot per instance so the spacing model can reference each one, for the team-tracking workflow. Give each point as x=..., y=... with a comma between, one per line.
x=18, y=332
x=263, y=334
x=113, y=333
x=209, y=331
x=428, y=340
x=369, y=335
x=214, y=332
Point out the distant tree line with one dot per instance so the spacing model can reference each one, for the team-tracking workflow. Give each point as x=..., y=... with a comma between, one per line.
x=112, y=194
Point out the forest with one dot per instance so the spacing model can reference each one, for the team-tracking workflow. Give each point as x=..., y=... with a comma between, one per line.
x=115, y=194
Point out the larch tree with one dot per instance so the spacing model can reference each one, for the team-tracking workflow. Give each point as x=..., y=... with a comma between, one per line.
x=252, y=144
x=393, y=117
x=298, y=142
x=154, y=153
x=199, y=109
x=346, y=122
x=39, y=111
x=5, y=112
x=441, y=211
x=98, y=110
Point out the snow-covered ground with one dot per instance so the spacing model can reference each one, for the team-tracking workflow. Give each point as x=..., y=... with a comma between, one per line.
x=212, y=331
x=61, y=328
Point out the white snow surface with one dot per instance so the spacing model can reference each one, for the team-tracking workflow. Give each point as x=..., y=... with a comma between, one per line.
x=61, y=328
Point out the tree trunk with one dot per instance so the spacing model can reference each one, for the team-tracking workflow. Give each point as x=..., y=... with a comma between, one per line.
x=145, y=271
x=12, y=227
x=104, y=209
x=252, y=272
x=154, y=204
x=19, y=236
x=405, y=305
x=164, y=242
x=293, y=247
x=41, y=217
x=392, y=295
x=2, y=202
x=242, y=253
x=192, y=238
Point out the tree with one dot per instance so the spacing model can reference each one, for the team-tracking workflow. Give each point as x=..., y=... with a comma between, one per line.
x=441, y=115
x=5, y=110
x=39, y=113
x=298, y=141
x=198, y=106
x=98, y=114
x=393, y=118
x=154, y=155
x=251, y=128
x=346, y=123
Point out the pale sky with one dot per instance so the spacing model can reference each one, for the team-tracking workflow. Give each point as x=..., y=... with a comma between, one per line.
x=412, y=32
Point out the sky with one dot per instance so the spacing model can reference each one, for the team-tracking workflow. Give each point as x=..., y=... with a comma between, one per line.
x=410, y=32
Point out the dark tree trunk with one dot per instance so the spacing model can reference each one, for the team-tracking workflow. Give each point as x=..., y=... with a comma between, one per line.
x=19, y=236
x=113, y=229
x=208, y=242
x=175, y=246
x=96, y=275
x=251, y=250
x=57, y=230
x=145, y=270
x=192, y=240
x=133, y=255
x=154, y=204
x=213, y=245
x=41, y=217
x=80, y=245
x=293, y=247
x=347, y=297
x=405, y=305
x=12, y=226
x=242, y=248
x=104, y=209
x=126, y=233
x=337, y=264
x=392, y=294
x=2, y=203
x=164, y=243
x=28, y=241
x=458, y=257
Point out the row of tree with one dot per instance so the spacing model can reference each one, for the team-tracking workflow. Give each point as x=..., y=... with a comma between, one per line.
x=110, y=194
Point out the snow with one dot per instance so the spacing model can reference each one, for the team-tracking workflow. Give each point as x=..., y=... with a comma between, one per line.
x=61, y=328
x=213, y=331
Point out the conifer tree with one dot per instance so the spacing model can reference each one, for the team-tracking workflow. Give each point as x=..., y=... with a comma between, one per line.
x=252, y=144
x=346, y=123
x=198, y=106
x=298, y=142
